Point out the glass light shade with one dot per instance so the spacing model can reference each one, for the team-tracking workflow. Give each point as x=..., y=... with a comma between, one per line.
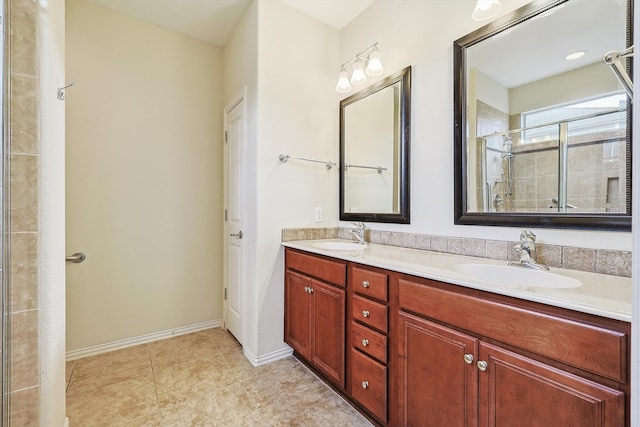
x=374, y=65
x=486, y=9
x=343, y=85
x=357, y=76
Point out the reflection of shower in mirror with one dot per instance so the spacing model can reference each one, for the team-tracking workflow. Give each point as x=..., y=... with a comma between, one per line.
x=503, y=188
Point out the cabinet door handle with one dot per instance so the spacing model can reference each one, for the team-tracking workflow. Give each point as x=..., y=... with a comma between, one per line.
x=365, y=284
x=468, y=359
x=365, y=384
x=365, y=342
x=482, y=365
x=365, y=313
x=306, y=289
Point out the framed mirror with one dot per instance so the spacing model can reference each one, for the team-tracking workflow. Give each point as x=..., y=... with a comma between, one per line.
x=375, y=127
x=542, y=124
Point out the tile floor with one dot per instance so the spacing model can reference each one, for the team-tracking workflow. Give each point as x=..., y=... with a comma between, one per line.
x=198, y=379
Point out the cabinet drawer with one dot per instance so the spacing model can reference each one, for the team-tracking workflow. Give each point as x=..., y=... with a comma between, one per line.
x=370, y=313
x=591, y=348
x=370, y=283
x=322, y=268
x=369, y=384
x=369, y=341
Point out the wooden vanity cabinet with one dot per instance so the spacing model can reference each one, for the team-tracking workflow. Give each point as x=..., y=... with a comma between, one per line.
x=468, y=361
x=315, y=306
x=409, y=351
x=367, y=337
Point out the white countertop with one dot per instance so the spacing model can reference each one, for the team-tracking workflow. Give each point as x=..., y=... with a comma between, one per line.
x=599, y=294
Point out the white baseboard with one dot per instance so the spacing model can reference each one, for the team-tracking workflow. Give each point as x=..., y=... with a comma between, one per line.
x=266, y=358
x=142, y=339
x=66, y=422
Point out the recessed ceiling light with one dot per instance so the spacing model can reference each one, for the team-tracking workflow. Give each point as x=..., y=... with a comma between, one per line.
x=575, y=55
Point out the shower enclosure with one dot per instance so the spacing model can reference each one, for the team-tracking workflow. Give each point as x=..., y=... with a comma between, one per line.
x=573, y=164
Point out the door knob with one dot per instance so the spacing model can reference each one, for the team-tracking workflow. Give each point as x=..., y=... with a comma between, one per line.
x=78, y=257
x=238, y=234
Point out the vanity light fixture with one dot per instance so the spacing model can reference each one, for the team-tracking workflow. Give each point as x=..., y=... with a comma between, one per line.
x=363, y=65
x=358, y=76
x=343, y=85
x=486, y=9
x=575, y=55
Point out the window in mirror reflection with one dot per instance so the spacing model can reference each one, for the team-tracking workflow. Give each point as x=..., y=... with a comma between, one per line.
x=522, y=167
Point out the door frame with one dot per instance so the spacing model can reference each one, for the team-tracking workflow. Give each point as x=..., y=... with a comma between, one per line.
x=239, y=98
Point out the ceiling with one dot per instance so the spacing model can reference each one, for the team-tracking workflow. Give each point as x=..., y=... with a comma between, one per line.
x=538, y=48
x=213, y=21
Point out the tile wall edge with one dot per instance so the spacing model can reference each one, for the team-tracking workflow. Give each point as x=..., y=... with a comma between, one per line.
x=603, y=261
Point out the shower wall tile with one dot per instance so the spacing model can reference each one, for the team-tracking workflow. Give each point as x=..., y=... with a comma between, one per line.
x=24, y=271
x=24, y=386
x=23, y=37
x=24, y=115
x=24, y=407
x=586, y=183
x=23, y=182
x=24, y=349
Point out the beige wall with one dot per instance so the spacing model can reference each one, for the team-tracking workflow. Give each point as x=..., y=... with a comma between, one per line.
x=563, y=88
x=144, y=178
x=297, y=115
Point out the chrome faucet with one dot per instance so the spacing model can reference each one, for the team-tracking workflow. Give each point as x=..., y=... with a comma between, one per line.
x=527, y=252
x=358, y=232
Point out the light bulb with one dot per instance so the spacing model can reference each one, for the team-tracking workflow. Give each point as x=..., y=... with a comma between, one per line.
x=374, y=64
x=343, y=85
x=486, y=9
x=357, y=76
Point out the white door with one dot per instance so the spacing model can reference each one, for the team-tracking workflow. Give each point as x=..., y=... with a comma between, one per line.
x=233, y=308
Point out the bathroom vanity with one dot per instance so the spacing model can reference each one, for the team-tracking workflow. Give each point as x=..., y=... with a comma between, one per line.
x=410, y=340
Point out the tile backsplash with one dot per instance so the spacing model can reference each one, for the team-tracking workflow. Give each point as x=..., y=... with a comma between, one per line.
x=604, y=261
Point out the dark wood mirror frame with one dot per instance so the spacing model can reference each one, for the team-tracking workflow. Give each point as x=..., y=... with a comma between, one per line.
x=403, y=216
x=614, y=222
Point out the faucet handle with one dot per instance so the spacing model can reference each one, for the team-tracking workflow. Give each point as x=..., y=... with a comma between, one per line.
x=527, y=235
x=360, y=225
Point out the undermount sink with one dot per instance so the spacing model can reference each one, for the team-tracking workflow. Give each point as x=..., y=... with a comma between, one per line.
x=516, y=277
x=339, y=246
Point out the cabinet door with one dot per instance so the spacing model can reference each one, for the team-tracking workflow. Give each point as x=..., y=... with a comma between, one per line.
x=328, y=330
x=437, y=386
x=297, y=302
x=515, y=390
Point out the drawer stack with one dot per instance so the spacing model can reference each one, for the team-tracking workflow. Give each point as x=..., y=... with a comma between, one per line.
x=369, y=326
